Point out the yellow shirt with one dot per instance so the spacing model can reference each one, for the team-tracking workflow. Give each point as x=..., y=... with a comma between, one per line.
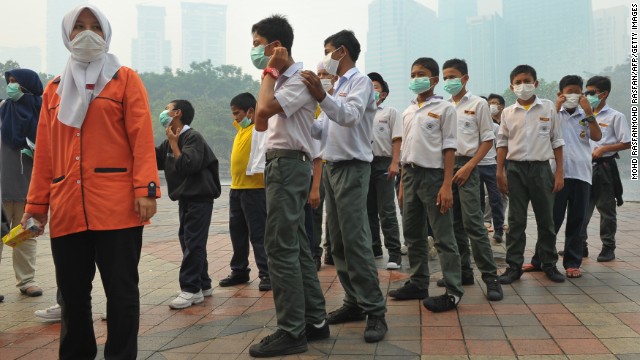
x=240, y=158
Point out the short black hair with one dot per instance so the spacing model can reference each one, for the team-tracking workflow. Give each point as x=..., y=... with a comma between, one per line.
x=244, y=101
x=429, y=64
x=275, y=27
x=570, y=80
x=523, y=69
x=496, y=96
x=457, y=64
x=601, y=83
x=484, y=97
x=187, y=110
x=374, y=76
x=347, y=39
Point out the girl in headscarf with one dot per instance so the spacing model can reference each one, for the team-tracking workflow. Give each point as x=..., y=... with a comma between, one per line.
x=19, y=115
x=95, y=172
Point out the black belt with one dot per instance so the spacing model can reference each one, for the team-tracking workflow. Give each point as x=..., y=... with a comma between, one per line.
x=381, y=158
x=285, y=153
x=346, y=162
x=606, y=159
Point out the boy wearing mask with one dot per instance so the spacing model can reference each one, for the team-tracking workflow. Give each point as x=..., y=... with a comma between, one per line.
x=531, y=135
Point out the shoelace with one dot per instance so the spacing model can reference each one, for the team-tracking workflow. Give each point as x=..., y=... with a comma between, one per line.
x=270, y=338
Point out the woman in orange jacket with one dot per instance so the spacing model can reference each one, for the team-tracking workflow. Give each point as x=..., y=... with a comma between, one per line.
x=95, y=173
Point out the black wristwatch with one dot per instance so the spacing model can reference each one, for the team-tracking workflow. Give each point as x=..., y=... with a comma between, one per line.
x=590, y=119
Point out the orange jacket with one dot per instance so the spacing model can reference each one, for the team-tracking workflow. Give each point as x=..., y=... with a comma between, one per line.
x=89, y=178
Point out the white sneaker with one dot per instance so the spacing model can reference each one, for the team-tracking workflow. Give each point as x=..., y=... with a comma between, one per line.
x=186, y=299
x=433, y=252
x=52, y=313
x=404, y=250
x=208, y=292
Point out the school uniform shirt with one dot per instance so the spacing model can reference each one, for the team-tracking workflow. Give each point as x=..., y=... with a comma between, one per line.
x=88, y=178
x=474, y=124
x=291, y=129
x=614, y=127
x=344, y=127
x=429, y=128
x=387, y=127
x=490, y=158
x=530, y=135
x=239, y=160
x=576, y=153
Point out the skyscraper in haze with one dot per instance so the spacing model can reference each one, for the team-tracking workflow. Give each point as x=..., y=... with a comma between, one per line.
x=611, y=39
x=400, y=31
x=486, y=55
x=452, y=28
x=204, y=32
x=150, y=52
x=57, y=54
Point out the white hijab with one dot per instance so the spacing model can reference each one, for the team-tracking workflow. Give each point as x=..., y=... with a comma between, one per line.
x=74, y=97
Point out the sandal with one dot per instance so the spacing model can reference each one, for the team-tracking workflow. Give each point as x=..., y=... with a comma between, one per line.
x=530, y=268
x=574, y=273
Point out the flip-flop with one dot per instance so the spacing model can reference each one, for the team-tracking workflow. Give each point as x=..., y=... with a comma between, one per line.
x=530, y=268
x=574, y=273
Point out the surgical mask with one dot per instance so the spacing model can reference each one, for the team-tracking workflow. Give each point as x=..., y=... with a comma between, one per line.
x=88, y=46
x=13, y=91
x=326, y=84
x=245, y=122
x=524, y=92
x=571, y=101
x=165, y=118
x=420, y=84
x=330, y=64
x=594, y=100
x=495, y=109
x=453, y=86
x=376, y=95
x=259, y=59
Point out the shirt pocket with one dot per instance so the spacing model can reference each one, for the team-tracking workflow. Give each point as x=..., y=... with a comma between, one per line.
x=544, y=128
x=431, y=128
x=467, y=126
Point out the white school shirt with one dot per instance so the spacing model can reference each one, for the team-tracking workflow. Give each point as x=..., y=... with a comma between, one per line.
x=257, y=158
x=576, y=153
x=474, y=124
x=344, y=127
x=428, y=130
x=291, y=129
x=530, y=135
x=387, y=126
x=490, y=158
x=614, y=127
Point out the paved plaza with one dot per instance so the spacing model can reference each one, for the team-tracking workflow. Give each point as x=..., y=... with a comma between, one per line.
x=593, y=317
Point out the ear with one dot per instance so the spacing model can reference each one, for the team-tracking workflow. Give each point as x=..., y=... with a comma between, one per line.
x=383, y=95
x=250, y=114
x=435, y=81
x=535, y=83
x=606, y=95
x=511, y=87
x=465, y=79
x=559, y=93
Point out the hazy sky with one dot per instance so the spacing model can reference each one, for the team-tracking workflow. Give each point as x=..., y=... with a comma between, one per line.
x=24, y=24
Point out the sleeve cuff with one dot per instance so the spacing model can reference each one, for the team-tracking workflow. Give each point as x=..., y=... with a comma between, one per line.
x=36, y=208
x=152, y=190
x=557, y=143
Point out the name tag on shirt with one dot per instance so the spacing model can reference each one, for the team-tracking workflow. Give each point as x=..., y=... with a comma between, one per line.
x=469, y=112
x=433, y=115
x=90, y=86
x=343, y=94
x=603, y=125
x=383, y=121
x=544, y=119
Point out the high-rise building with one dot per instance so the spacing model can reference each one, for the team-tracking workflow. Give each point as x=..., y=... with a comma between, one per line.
x=150, y=52
x=486, y=55
x=57, y=54
x=453, y=37
x=204, y=32
x=550, y=35
x=400, y=31
x=610, y=37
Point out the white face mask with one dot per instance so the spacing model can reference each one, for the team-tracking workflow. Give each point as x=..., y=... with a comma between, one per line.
x=495, y=109
x=524, y=92
x=571, y=101
x=326, y=84
x=88, y=46
x=330, y=64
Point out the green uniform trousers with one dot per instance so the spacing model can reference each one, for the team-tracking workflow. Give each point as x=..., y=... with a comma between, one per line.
x=297, y=294
x=420, y=193
x=468, y=226
x=603, y=198
x=346, y=186
x=531, y=181
x=381, y=205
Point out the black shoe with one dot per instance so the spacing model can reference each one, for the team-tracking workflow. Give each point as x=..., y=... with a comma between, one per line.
x=377, y=253
x=409, y=292
x=510, y=276
x=277, y=344
x=265, y=283
x=498, y=237
x=317, y=333
x=345, y=314
x=606, y=255
x=234, y=279
x=328, y=260
x=1, y=298
x=440, y=303
x=395, y=262
x=466, y=280
x=376, y=328
x=494, y=290
x=585, y=251
x=318, y=262
x=554, y=275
